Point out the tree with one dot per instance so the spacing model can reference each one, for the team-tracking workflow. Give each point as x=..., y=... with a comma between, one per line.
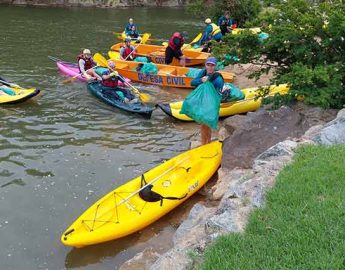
x=306, y=49
x=240, y=11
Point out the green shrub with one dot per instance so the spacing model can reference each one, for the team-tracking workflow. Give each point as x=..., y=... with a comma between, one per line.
x=305, y=48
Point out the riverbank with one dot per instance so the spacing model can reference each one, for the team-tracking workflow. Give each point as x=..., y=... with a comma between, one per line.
x=242, y=187
x=97, y=3
x=301, y=225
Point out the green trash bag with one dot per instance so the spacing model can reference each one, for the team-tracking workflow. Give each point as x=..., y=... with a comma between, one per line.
x=147, y=68
x=100, y=70
x=232, y=93
x=193, y=72
x=142, y=59
x=8, y=91
x=202, y=105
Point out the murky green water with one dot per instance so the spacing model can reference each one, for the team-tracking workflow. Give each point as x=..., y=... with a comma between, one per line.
x=65, y=149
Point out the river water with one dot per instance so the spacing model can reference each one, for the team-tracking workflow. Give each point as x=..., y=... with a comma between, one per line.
x=64, y=149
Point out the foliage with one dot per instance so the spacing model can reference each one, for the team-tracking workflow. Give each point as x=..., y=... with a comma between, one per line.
x=240, y=11
x=301, y=226
x=305, y=48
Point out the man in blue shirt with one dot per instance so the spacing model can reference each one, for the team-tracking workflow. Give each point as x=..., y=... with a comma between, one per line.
x=131, y=30
x=224, y=22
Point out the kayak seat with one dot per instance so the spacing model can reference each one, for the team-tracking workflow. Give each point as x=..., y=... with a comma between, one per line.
x=148, y=195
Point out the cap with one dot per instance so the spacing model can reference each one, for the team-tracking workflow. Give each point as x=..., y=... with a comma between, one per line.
x=86, y=51
x=208, y=21
x=127, y=39
x=130, y=19
x=111, y=63
x=211, y=60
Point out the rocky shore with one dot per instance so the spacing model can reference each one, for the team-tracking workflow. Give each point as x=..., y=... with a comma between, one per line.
x=97, y=3
x=256, y=147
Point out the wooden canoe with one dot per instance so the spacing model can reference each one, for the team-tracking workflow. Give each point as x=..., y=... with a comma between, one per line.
x=171, y=76
x=156, y=54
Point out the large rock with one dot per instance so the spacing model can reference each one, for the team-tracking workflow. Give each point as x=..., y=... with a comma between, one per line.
x=333, y=132
x=175, y=259
x=142, y=260
x=257, y=132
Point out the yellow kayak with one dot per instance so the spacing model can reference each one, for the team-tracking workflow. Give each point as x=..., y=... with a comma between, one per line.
x=21, y=95
x=145, y=37
x=254, y=30
x=186, y=47
x=127, y=209
x=248, y=104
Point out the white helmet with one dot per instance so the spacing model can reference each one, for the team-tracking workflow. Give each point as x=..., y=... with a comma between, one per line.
x=208, y=21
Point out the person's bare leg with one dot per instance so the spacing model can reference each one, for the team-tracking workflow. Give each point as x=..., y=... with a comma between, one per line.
x=205, y=134
x=93, y=73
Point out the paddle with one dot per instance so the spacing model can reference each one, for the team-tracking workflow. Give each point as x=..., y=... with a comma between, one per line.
x=120, y=33
x=76, y=76
x=195, y=40
x=103, y=62
x=144, y=39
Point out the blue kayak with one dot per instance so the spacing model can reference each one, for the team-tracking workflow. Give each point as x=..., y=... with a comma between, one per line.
x=116, y=98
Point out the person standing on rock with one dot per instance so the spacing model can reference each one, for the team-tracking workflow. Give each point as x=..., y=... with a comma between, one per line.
x=210, y=74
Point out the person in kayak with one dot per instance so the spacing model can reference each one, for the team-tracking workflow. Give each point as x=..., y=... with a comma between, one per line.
x=212, y=32
x=210, y=74
x=127, y=52
x=225, y=23
x=110, y=78
x=131, y=30
x=174, y=48
x=86, y=64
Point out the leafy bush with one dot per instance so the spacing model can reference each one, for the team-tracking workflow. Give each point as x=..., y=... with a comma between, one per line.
x=240, y=11
x=305, y=48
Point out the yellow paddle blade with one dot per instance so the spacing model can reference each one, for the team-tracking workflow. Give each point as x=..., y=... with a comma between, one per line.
x=144, y=97
x=114, y=55
x=196, y=39
x=69, y=80
x=100, y=60
x=145, y=38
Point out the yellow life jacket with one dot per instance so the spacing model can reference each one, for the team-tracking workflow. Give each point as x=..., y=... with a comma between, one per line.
x=215, y=29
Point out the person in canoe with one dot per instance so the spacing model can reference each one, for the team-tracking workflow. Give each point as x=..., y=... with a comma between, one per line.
x=86, y=64
x=225, y=23
x=127, y=52
x=110, y=78
x=212, y=32
x=131, y=30
x=174, y=48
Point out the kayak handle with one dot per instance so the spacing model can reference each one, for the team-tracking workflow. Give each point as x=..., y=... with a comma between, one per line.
x=68, y=232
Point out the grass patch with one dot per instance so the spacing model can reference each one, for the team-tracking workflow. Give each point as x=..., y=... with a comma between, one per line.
x=303, y=223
